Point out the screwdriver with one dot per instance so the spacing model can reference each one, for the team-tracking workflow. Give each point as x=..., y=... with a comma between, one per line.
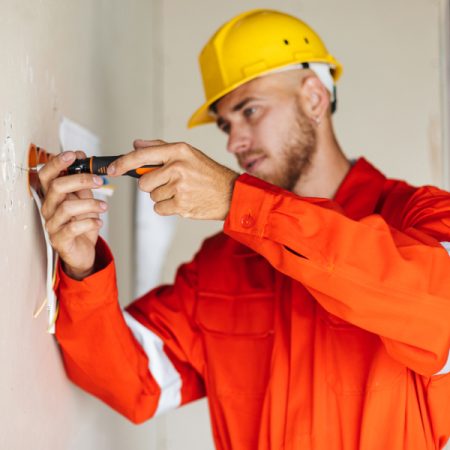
x=98, y=165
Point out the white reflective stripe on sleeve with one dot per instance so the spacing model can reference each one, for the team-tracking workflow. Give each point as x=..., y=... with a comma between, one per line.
x=446, y=245
x=160, y=366
x=446, y=368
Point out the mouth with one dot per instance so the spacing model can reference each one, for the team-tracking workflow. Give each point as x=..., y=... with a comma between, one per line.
x=251, y=164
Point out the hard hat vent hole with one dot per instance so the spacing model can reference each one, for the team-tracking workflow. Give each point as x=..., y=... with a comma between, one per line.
x=286, y=42
x=306, y=40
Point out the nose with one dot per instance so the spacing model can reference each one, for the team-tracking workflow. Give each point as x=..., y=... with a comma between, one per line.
x=239, y=140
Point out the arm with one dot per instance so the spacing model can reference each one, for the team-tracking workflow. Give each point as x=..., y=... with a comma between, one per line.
x=136, y=361
x=141, y=369
x=391, y=283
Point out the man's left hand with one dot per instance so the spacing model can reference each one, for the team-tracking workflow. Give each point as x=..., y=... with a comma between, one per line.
x=189, y=183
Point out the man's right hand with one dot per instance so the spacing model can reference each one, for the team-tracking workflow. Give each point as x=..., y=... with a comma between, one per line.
x=71, y=214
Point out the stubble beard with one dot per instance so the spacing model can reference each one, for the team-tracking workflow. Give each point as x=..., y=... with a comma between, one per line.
x=295, y=156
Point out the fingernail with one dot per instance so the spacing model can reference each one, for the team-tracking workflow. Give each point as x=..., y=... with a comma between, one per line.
x=111, y=170
x=67, y=156
x=103, y=206
x=98, y=180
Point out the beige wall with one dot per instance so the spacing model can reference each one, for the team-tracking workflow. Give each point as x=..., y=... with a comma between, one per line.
x=389, y=95
x=90, y=61
x=129, y=69
x=389, y=106
x=445, y=86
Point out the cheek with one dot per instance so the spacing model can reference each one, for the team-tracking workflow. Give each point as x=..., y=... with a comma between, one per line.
x=271, y=134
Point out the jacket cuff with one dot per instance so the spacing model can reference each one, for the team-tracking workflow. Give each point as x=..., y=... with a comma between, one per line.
x=97, y=289
x=251, y=204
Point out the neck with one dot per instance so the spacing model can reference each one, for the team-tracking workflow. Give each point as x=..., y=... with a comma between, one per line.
x=328, y=167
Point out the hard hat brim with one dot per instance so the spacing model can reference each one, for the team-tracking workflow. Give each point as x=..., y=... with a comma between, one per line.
x=203, y=116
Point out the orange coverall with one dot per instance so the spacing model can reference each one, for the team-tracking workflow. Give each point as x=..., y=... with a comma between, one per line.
x=308, y=323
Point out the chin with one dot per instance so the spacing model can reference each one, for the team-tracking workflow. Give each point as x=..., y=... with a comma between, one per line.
x=269, y=178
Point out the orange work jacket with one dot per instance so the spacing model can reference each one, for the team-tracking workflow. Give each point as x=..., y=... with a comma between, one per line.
x=309, y=323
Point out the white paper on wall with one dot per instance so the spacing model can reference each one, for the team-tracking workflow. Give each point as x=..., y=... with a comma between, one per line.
x=50, y=300
x=154, y=234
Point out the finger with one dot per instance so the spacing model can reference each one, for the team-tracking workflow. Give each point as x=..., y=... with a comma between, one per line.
x=86, y=193
x=142, y=143
x=78, y=209
x=156, y=178
x=54, y=167
x=80, y=195
x=80, y=154
x=60, y=187
x=155, y=154
x=165, y=207
x=83, y=194
x=162, y=193
x=61, y=240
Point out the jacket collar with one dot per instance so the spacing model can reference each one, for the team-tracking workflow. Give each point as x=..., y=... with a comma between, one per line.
x=361, y=189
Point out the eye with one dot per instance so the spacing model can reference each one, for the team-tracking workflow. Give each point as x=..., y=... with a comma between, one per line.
x=225, y=128
x=249, y=111
x=223, y=125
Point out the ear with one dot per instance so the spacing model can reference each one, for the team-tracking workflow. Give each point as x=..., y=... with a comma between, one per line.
x=314, y=98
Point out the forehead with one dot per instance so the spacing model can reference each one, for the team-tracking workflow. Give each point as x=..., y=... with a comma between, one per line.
x=262, y=88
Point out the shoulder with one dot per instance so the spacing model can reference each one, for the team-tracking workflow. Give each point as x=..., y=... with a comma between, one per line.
x=426, y=207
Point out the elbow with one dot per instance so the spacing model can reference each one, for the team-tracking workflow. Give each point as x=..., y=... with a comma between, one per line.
x=141, y=411
x=422, y=361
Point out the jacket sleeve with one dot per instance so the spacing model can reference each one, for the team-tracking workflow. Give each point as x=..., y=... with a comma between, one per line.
x=138, y=361
x=392, y=283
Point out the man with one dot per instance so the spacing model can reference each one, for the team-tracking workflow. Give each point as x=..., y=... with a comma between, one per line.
x=319, y=319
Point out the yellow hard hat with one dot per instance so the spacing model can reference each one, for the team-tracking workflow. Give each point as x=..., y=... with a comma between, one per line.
x=252, y=44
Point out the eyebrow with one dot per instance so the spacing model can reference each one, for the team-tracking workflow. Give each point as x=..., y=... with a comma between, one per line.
x=241, y=104
x=238, y=107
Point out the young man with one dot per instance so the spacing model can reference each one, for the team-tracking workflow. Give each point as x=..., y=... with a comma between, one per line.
x=319, y=318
